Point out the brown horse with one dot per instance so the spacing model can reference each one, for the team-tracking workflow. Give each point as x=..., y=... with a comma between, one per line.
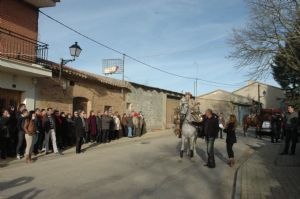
x=250, y=120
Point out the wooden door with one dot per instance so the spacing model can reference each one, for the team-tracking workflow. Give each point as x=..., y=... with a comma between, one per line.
x=172, y=104
x=9, y=98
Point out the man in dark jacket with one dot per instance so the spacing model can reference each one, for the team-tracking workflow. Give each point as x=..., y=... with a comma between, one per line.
x=291, y=125
x=21, y=134
x=99, y=123
x=39, y=131
x=5, y=121
x=79, y=130
x=105, y=125
x=211, y=128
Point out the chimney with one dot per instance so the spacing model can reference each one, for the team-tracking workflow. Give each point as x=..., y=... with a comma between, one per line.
x=250, y=82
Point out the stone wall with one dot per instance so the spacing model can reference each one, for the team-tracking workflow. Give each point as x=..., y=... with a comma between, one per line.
x=151, y=102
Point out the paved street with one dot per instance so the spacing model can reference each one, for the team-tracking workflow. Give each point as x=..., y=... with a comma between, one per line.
x=269, y=175
x=146, y=167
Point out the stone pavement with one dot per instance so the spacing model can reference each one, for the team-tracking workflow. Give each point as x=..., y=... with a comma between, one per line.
x=86, y=147
x=266, y=174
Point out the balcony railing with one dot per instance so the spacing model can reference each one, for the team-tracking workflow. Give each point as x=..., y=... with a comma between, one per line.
x=16, y=46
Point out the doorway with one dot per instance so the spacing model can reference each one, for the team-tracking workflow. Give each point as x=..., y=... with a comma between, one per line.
x=9, y=98
x=80, y=103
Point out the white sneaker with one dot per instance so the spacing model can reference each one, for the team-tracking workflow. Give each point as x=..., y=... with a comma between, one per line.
x=18, y=157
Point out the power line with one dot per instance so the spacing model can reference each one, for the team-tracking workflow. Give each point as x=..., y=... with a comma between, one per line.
x=133, y=58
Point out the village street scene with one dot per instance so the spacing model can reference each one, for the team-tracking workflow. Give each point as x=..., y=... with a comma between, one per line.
x=149, y=99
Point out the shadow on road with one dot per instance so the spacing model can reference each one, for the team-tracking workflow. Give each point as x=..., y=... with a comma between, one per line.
x=28, y=193
x=16, y=182
x=220, y=156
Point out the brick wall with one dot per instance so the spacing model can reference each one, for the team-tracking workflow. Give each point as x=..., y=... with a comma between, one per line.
x=19, y=23
x=50, y=94
x=19, y=17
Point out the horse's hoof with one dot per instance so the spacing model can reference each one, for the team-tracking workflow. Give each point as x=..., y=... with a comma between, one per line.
x=181, y=154
x=191, y=153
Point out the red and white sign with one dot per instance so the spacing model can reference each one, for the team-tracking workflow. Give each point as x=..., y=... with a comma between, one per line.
x=111, y=70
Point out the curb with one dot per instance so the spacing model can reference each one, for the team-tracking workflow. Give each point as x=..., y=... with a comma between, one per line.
x=236, y=189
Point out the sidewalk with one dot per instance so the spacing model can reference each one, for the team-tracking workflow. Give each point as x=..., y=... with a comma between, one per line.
x=88, y=147
x=266, y=174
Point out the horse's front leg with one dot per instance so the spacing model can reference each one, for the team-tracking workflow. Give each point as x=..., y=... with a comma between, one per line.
x=191, y=146
x=195, y=141
x=182, y=146
x=188, y=146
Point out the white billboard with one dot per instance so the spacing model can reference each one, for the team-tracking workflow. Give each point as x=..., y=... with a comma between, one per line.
x=112, y=66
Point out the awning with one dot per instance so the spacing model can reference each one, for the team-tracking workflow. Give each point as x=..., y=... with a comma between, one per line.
x=22, y=68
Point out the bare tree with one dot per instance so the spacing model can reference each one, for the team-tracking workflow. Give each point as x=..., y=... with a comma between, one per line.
x=266, y=34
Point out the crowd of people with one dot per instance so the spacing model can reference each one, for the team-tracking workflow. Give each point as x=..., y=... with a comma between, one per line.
x=26, y=133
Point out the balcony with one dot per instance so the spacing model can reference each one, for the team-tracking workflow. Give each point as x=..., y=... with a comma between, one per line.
x=16, y=46
x=42, y=3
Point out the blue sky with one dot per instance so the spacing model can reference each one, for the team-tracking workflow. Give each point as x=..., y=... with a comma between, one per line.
x=186, y=37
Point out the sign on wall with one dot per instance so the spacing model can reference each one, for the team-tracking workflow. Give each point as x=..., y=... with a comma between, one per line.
x=112, y=66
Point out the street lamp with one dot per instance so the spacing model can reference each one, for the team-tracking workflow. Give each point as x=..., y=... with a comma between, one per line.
x=75, y=51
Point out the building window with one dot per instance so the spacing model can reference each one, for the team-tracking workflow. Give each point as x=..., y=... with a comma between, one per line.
x=108, y=108
x=128, y=106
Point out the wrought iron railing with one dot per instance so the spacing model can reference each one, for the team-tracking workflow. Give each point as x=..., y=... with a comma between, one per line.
x=16, y=46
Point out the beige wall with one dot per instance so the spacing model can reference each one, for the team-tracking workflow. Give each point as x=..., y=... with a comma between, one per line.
x=172, y=104
x=224, y=102
x=270, y=100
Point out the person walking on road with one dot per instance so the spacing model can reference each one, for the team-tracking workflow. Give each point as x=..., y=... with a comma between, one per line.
x=230, y=138
x=211, y=133
x=291, y=125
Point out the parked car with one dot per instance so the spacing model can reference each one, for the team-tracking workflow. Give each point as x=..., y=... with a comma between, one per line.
x=270, y=122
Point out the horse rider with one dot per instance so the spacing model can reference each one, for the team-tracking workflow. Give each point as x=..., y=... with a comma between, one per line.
x=186, y=103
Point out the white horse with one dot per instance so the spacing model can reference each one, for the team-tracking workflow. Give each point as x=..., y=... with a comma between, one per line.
x=189, y=134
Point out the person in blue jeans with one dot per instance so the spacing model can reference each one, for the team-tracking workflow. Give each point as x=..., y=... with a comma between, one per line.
x=211, y=128
x=129, y=126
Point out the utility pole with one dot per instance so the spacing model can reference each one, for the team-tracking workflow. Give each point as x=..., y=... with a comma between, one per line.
x=258, y=97
x=123, y=74
x=123, y=80
x=196, y=81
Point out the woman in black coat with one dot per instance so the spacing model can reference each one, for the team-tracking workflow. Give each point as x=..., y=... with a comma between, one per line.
x=231, y=138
